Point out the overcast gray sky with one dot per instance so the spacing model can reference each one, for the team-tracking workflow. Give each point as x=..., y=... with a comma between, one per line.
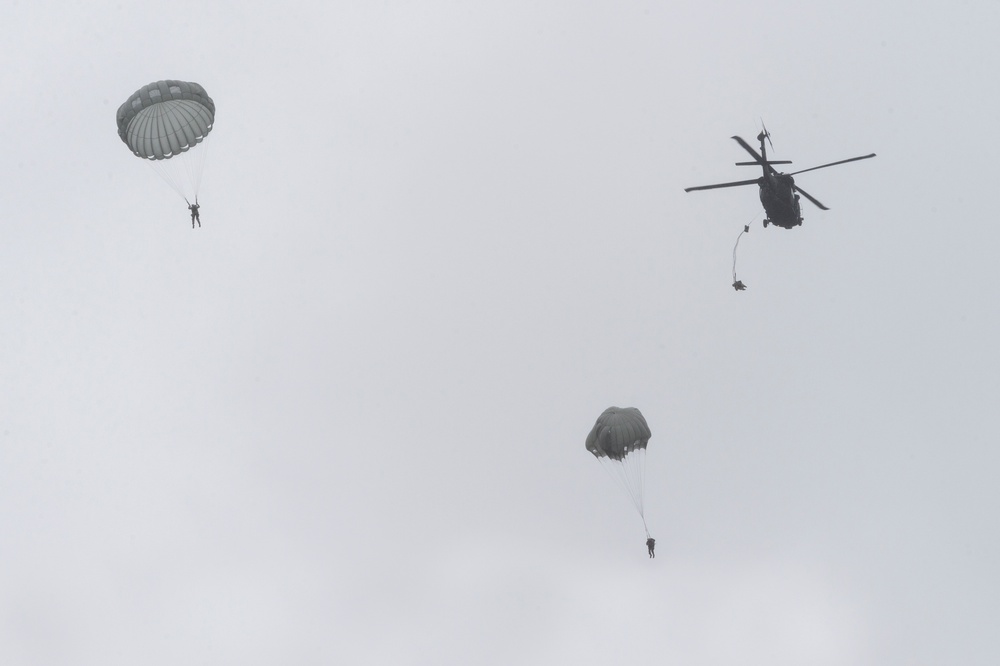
x=344, y=421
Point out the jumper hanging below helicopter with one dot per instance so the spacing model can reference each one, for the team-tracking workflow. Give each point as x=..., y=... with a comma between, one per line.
x=777, y=190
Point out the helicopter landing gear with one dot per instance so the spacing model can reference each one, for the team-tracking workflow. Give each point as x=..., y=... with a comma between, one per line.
x=766, y=222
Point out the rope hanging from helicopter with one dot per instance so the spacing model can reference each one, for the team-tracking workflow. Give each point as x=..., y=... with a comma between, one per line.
x=737, y=283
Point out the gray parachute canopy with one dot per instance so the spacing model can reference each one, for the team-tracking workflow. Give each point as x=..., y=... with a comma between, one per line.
x=618, y=441
x=165, y=118
x=618, y=432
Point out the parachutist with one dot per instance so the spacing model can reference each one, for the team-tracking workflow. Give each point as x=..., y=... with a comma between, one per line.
x=166, y=121
x=194, y=213
x=651, y=544
x=739, y=286
x=618, y=440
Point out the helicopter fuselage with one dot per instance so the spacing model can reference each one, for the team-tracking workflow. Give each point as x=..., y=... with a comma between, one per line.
x=781, y=203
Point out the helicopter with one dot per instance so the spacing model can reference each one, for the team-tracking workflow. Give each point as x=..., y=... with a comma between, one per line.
x=778, y=192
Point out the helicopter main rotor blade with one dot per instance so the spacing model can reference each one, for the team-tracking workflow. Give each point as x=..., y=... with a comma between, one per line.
x=755, y=181
x=760, y=160
x=810, y=197
x=823, y=166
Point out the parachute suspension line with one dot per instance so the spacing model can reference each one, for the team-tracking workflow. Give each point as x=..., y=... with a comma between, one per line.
x=633, y=468
x=640, y=476
x=168, y=174
x=628, y=474
x=738, y=284
x=636, y=461
x=616, y=471
x=182, y=172
x=194, y=164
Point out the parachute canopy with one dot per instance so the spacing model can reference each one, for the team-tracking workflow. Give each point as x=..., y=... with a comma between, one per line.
x=618, y=432
x=618, y=440
x=166, y=118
